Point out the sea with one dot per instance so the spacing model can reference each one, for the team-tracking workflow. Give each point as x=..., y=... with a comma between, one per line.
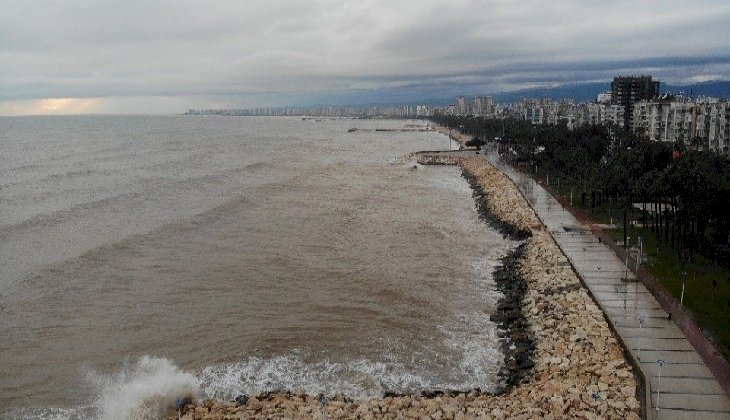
x=148, y=258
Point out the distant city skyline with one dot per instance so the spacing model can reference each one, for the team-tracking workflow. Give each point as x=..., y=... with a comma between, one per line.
x=167, y=57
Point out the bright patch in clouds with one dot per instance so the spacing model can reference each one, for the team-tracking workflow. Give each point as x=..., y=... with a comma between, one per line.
x=68, y=105
x=51, y=106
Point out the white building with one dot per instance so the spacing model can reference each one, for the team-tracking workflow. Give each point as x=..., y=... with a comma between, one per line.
x=701, y=125
x=680, y=122
x=713, y=125
x=424, y=111
x=476, y=107
x=534, y=114
x=588, y=114
x=650, y=118
x=487, y=106
x=613, y=114
x=462, y=108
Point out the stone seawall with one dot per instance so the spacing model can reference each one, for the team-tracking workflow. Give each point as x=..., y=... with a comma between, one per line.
x=561, y=358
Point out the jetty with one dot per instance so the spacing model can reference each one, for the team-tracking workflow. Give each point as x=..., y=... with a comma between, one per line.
x=404, y=129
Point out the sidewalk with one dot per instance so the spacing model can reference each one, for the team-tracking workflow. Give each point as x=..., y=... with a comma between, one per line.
x=686, y=389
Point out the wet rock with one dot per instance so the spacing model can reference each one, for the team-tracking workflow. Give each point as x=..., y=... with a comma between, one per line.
x=200, y=412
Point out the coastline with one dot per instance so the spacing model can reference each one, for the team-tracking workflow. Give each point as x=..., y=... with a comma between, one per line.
x=455, y=135
x=561, y=358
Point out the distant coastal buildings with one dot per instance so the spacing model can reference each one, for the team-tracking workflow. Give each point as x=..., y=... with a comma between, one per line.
x=634, y=103
x=385, y=111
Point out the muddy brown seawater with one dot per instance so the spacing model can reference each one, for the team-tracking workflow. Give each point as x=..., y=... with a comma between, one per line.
x=572, y=367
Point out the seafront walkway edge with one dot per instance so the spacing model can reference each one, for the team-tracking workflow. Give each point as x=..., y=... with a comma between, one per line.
x=678, y=382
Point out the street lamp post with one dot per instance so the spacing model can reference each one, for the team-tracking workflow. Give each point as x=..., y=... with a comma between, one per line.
x=659, y=382
x=628, y=243
x=681, y=299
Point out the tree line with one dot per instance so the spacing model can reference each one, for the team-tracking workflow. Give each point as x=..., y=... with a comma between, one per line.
x=682, y=193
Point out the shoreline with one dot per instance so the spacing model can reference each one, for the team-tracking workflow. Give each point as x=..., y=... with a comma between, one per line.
x=518, y=344
x=561, y=358
x=455, y=135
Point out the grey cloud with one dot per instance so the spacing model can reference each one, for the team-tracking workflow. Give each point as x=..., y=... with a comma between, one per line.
x=305, y=50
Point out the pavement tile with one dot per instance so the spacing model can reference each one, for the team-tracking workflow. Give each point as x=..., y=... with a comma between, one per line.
x=698, y=402
x=671, y=331
x=696, y=370
x=706, y=386
x=666, y=414
x=658, y=344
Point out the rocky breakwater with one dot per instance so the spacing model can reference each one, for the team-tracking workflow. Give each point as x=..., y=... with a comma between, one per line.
x=561, y=359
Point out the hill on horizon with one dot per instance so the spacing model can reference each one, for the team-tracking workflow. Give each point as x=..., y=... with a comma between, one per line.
x=580, y=92
x=587, y=92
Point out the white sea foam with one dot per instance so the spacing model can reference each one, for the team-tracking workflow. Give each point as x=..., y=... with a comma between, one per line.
x=467, y=335
x=357, y=379
x=144, y=390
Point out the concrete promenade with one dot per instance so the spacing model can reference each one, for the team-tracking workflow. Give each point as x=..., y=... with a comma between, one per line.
x=686, y=388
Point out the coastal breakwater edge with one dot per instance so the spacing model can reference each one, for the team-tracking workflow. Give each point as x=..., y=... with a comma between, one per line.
x=561, y=358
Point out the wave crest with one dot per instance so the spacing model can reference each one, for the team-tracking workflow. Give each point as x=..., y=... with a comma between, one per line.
x=144, y=390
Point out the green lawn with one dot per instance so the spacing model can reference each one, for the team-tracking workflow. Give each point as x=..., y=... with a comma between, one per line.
x=707, y=285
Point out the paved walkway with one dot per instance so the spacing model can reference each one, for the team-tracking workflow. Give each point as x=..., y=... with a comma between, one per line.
x=686, y=389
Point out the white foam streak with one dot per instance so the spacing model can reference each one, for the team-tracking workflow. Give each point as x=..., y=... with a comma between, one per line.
x=147, y=388
x=357, y=379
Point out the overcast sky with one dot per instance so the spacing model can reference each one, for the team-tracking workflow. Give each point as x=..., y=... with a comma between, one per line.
x=168, y=56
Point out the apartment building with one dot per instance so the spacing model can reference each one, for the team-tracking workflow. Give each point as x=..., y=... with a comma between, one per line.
x=627, y=91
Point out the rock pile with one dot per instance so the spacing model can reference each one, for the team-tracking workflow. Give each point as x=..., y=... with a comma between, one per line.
x=568, y=364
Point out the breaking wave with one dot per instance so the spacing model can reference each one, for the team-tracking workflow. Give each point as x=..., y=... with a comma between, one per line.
x=144, y=390
x=357, y=379
x=148, y=388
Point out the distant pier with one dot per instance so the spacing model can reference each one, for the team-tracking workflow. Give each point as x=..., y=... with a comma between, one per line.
x=392, y=129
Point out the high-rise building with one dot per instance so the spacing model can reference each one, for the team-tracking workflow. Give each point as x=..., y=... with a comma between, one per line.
x=487, y=106
x=462, y=107
x=534, y=115
x=668, y=119
x=626, y=91
x=713, y=125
